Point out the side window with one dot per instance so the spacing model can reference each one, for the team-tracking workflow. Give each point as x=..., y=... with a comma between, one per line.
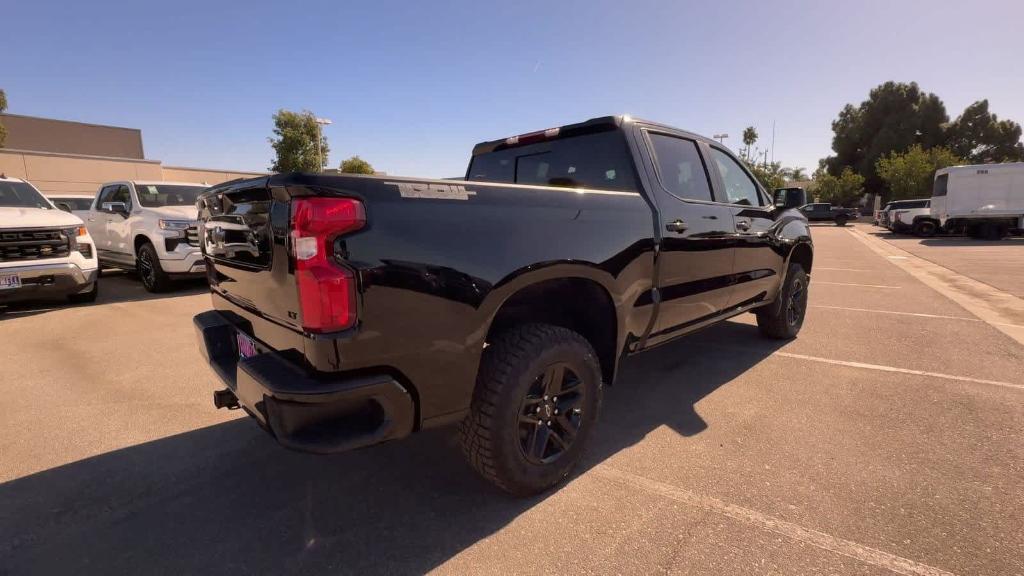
x=680, y=168
x=941, y=185
x=105, y=196
x=122, y=194
x=739, y=188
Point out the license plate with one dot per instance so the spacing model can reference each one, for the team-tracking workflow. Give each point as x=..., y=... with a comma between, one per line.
x=9, y=281
x=246, y=345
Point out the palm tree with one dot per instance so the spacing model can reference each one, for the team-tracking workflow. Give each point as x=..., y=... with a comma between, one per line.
x=749, y=138
x=795, y=174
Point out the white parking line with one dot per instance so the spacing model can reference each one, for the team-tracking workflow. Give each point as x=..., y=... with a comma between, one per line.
x=918, y=314
x=849, y=284
x=865, y=554
x=897, y=370
x=842, y=269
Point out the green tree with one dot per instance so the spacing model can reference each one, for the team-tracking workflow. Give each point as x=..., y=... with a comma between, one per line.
x=3, y=106
x=980, y=137
x=771, y=176
x=895, y=116
x=910, y=174
x=296, y=135
x=749, y=139
x=844, y=190
x=356, y=165
x=794, y=174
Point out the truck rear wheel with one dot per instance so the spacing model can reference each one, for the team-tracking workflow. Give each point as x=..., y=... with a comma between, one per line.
x=783, y=319
x=536, y=402
x=841, y=220
x=924, y=228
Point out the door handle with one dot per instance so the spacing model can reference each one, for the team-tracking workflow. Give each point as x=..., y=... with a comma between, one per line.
x=677, y=226
x=743, y=225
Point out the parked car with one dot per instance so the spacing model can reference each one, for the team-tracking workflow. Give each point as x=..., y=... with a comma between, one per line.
x=818, y=212
x=44, y=252
x=984, y=201
x=913, y=217
x=885, y=217
x=363, y=308
x=77, y=205
x=149, y=227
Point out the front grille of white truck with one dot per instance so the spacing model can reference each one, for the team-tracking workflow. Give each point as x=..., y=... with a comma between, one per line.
x=33, y=244
x=192, y=234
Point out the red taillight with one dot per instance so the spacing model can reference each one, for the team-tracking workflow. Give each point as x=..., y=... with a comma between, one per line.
x=327, y=291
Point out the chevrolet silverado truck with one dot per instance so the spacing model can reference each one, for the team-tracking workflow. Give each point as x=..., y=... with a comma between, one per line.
x=349, y=310
x=149, y=227
x=826, y=212
x=44, y=252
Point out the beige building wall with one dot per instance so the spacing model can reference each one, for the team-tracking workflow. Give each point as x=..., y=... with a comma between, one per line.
x=55, y=173
x=66, y=137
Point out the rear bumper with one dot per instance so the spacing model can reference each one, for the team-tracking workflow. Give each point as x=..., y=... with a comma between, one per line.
x=305, y=411
x=48, y=280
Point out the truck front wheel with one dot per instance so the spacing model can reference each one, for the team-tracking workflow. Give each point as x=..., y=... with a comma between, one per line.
x=154, y=279
x=536, y=402
x=783, y=319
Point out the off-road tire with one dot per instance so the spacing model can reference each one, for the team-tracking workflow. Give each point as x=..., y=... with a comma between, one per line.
x=511, y=368
x=154, y=279
x=841, y=220
x=86, y=297
x=776, y=320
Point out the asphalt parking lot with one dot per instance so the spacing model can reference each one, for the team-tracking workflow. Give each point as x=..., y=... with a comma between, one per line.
x=887, y=438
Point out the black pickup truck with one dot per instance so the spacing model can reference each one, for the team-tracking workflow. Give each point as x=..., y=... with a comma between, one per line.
x=821, y=212
x=350, y=310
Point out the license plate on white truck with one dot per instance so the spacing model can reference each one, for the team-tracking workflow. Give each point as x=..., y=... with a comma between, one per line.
x=9, y=281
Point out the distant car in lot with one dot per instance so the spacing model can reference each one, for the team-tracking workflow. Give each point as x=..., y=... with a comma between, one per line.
x=983, y=201
x=818, y=212
x=885, y=215
x=44, y=252
x=149, y=227
x=76, y=204
x=913, y=217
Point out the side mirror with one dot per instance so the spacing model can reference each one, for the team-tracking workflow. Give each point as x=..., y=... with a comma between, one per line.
x=64, y=207
x=786, y=198
x=115, y=208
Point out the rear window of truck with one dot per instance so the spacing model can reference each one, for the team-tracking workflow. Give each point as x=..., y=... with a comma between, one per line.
x=599, y=161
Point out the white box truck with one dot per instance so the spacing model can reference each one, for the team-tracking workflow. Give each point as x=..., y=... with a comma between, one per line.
x=984, y=200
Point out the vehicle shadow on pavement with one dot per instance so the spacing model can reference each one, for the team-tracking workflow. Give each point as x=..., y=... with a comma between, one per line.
x=115, y=286
x=956, y=241
x=227, y=499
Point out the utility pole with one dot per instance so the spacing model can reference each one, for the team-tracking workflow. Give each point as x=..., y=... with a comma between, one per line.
x=320, y=122
x=773, y=141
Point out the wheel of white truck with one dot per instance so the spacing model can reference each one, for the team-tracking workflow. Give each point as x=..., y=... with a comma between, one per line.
x=154, y=279
x=536, y=401
x=924, y=228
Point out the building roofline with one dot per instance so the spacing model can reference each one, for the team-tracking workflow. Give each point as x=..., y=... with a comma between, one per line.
x=139, y=130
x=83, y=156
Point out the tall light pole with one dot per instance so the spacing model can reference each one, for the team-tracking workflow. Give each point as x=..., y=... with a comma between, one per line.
x=721, y=138
x=320, y=136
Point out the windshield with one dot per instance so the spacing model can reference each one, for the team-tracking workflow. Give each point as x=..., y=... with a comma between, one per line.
x=21, y=195
x=157, y=195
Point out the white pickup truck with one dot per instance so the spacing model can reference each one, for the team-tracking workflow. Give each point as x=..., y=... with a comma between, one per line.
x=149, y=227
x=44, y=252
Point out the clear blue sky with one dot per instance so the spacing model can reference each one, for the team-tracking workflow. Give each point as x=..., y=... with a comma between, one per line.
x=411, y=86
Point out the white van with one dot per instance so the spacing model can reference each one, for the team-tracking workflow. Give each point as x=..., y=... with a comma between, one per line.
x=984, y=200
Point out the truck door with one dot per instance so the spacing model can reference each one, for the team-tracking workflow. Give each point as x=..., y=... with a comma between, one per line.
x=695, y=260
x=96, y=222
x=758, y=260
x=118, y=227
